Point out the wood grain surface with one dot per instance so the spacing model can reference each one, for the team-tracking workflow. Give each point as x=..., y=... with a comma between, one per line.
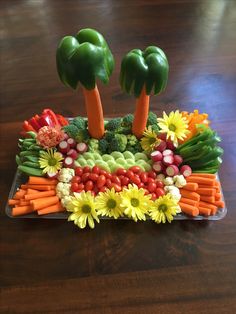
x=50, y=266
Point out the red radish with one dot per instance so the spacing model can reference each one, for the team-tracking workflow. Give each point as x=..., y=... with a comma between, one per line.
x=168, y=160
x=162, y=136
x=178, y=160
x=52, y=175
x=161, y=146
x=72, y=153
x=68, y=162
x=66, y=136
x=170, y=145
x=82, y=147
x=186, y=171
x=71, y=142
x=156, y=155
x=157, y=166
x=167, y=152
x=172, y=170
x=160, y=177
x=63, y=147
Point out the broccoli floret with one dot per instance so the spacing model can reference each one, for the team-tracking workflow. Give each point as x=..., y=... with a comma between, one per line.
x=79, y=122
x=71, y=130
x=134, y=148
x=93, y=145
x=82, y=136
x=132, y=139
x=114, y=124
x=103, y=145
x=118, y=143
x=127, y=121
x=155, y=128
x=109, y=136
x=152, y=118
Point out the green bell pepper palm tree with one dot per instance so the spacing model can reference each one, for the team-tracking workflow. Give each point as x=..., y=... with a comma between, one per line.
x=81, y=59
x=141, y=73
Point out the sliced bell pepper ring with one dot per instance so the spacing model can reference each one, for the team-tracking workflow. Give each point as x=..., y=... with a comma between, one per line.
x=52, y=116
x=62, y=120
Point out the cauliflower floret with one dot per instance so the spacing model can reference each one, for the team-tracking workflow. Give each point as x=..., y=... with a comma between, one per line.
x=168, y=181
x=65, y=201
x=174, y=192
x=179, y=181
x=66, y=174
x=63, y=189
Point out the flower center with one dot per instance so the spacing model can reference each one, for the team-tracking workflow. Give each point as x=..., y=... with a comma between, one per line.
x=86, y=209
x=152, y=140
x=162, y=207
x=172, y=127
x=52, y=161
x=111, y=203
x=134, y=202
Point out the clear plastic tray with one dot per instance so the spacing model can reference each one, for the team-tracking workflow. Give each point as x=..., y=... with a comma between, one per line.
x=20, y=179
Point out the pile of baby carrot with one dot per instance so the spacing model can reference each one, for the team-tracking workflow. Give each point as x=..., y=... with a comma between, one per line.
x=201, y=195
x=37, y=195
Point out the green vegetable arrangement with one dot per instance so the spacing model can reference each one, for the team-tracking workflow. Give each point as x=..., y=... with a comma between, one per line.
x=201, y=152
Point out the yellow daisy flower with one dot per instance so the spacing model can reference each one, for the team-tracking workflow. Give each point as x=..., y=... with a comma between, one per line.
x=165, y=208
x=174, y=125
x=149, y=140
x=108, y=204
x=50, y=161
x=82, y=206
x=135, y=203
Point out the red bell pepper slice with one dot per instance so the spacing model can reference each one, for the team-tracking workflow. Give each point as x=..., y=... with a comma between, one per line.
x=28, y=127
x=52, y=116
x=35, y=123
x=45, y=120
x=62, y=120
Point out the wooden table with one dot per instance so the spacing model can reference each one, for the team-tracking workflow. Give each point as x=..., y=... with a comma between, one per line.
x=50, y=266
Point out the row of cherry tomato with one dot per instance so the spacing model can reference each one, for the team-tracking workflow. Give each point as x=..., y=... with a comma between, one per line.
x=98, y=180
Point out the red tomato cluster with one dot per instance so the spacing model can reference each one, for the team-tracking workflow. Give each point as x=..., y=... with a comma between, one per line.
x=98, y=180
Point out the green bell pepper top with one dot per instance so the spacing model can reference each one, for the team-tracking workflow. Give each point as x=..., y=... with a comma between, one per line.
x=83, y=58
x=149, y=67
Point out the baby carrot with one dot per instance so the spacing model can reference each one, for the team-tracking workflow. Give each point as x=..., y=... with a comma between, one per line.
x=40, y=187
x=209, y=199
x=204, y=175
x=189, y=194
x=44, y=202
x=190, y=186
x=13, y=202
x=188, y=201
x=220, y=204
x=40, y=180
x=206, y=191
x=188, y=209
x=200, y=180
x=21, y=210
x=218, y=196
x=204, y=211
x=40, y=195
x=208, y=205
x=19, y=194
x=31, y=191
x=24, y=202
x=51, y=209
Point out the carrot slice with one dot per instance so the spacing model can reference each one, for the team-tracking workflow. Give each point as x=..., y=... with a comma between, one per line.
x=21, y=210
x=51, y=209
x=189, y=194
x=190, y=186
x=40, y=195
x=200, y=180
x=40, y=180
x=44, y=202
x=188, y=209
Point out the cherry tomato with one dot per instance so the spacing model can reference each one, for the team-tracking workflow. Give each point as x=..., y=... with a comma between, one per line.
x=109, y=183
x=159, y=184
x=103, y=189
x=129, y=174
x=101, y=181
x=146, y=192
x=93, y=176
x=89, y=185
x=135, y=179
x=74, y=187
x=76, y=179
x=96, y=170
x=115, y=179
x=150, y=180
x=160, y=192
x=86, y=169
x=79, y=171
x=152, y=174
x=121, y=177
x=102, y=171
x=121, y=171
x=85, y=177
x=108, y=175
x=151, y=187
x=81, y=187
x=124, y=181
x=144, y=177
x=135, y=169
x=154, y=197
x=141, y=185
x=116, y=187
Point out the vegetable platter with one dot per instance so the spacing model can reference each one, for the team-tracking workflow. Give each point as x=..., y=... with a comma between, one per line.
x=140, y=166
